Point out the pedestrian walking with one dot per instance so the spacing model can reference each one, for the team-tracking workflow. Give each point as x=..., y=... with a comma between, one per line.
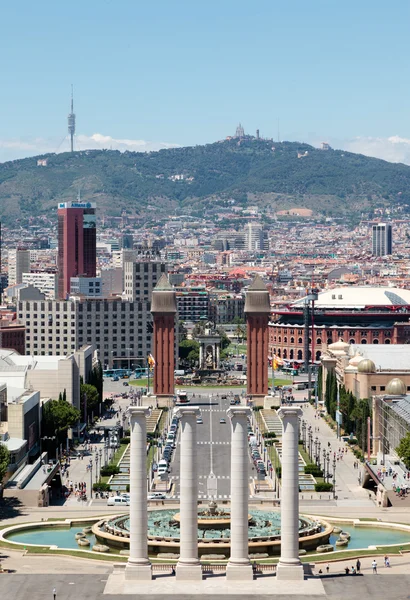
x=327, y=568
x=386, y=561
x=358, y=565
x=374, y=567
x=54, y=593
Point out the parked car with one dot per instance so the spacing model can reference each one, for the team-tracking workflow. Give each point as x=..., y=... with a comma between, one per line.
x=156, y=496
x=223, y=421
x=118, y=501
x=125, y=383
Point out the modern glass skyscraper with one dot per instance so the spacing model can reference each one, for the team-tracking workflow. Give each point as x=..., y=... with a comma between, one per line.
x=77, y=244
x=382, y=241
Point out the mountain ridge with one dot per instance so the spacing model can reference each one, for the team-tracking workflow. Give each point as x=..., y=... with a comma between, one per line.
x=278, y=175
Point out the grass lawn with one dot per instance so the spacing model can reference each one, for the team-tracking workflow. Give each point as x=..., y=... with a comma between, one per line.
x=143, y=382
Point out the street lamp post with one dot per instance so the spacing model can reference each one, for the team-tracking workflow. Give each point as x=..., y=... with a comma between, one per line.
x=304, y=434
x=129, y=358
x=334, y=476
x=324, y=464
x=96, y=467
x=91, y=477
x=318, y=453
x=328, y=465
x=310, y=441
x=316, y=441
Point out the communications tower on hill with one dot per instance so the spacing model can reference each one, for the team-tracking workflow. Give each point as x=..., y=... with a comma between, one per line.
x=71, y=121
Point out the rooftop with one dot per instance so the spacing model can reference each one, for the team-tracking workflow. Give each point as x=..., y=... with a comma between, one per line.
x=360, y=297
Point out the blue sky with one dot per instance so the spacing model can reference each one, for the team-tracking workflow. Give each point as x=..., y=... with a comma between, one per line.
x=186, y=72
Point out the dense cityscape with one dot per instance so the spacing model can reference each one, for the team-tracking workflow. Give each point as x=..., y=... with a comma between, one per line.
x=205, y=341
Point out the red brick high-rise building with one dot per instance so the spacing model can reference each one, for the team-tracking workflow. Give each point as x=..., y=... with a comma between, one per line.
x=257, y=310
x=163, y=309
x=77, y=244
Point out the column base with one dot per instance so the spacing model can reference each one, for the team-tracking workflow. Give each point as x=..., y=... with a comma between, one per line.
x=237, y=572
x=289, y=572
x=271, y=402
x=135, y=572
x=149, y=401
x=165, y=401
x=187, y=572
x=257, y=400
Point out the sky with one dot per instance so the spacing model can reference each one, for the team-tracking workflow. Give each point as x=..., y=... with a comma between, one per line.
x=161, y=73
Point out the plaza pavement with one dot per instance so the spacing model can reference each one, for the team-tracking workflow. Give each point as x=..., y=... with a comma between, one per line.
x=72, y=578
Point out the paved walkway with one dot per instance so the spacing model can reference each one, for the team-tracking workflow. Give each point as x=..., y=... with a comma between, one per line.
x=348, y=490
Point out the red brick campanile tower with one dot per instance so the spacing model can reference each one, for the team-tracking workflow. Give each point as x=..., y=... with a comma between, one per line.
x=163, y=309
x=257, y=310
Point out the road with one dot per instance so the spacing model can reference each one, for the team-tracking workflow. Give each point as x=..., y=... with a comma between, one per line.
x=214, y=449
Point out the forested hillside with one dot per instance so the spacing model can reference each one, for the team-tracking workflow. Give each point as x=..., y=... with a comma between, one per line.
x=192, y=177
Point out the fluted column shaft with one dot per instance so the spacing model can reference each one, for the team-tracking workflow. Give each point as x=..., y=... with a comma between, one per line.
x=239, y=565
x=188, y=566
x=289, y=554
x=138, y=563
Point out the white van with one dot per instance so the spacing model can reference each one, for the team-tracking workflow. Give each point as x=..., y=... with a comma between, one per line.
x=118, y=501
x=162, y=467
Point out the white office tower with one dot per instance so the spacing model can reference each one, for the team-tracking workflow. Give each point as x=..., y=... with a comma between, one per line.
x=253, y=236
x=19, y=263
x=382, y=239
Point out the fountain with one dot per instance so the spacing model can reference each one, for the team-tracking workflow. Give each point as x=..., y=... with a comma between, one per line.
x=213, y=531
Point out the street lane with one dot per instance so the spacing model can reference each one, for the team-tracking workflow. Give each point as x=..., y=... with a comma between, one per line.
x=213, y=447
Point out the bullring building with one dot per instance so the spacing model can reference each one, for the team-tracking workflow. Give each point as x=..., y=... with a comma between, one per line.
x=355, y=315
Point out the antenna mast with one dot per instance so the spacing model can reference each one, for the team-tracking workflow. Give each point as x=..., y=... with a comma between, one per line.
x=71, y=120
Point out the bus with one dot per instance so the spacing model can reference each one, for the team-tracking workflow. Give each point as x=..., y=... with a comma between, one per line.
x=182, y=397
x=117, y=373
x=141, y=372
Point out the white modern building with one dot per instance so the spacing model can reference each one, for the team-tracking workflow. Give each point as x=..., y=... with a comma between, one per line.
x=44, y=281
x=18, y=263
x=141, y=276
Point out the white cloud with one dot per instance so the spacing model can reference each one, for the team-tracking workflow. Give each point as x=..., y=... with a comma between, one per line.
x=11, y=149
x=393, y=149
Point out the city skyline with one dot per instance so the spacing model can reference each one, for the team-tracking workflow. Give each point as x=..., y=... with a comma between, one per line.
x=146, y=78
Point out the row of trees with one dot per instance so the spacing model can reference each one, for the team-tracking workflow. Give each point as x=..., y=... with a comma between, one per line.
x=355, y=412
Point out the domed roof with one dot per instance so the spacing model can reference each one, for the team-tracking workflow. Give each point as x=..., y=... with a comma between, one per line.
x=339, y=346
x=396, y=387
x=355, y=360
x=350, y=369
x=366, y=366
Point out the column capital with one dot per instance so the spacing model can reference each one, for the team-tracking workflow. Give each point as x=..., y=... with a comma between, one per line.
x=287, y=412
x=138, y=411
x=186, y=411
x=238, y=411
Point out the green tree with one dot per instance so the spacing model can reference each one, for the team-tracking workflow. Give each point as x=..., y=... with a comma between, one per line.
x=4, y=460
x=90, y=397
x=58, y=416
x=403, y=450
x=189, y=351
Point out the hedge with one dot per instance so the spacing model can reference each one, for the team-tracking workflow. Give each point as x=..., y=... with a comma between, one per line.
x=103, y=487
x=312, y=469
x=109, y=470
x=323, y=487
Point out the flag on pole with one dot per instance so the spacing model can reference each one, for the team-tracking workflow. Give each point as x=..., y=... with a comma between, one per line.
x=151, y=361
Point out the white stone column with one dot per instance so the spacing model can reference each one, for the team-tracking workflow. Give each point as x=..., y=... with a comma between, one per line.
x=188, y=566
x=138, y=566
x=239, y=566
x=289, y=566
x=201, y=355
